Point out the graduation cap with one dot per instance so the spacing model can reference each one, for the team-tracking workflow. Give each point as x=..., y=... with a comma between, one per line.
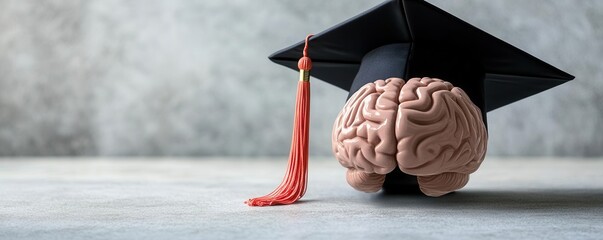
x=412, y=38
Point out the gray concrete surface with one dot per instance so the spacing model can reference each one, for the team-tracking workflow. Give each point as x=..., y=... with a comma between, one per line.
x=168, y=198
x=190, y=78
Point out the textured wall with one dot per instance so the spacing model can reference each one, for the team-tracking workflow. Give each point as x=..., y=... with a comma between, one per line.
x=185, y=77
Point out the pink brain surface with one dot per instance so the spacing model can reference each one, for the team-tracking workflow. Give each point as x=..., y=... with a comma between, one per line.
x=425, y=126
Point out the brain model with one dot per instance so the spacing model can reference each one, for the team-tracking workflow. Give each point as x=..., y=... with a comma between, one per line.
x=426, y=127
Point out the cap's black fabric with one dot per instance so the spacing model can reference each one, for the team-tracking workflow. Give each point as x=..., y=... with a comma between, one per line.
x=416, y=39
x=381, y=63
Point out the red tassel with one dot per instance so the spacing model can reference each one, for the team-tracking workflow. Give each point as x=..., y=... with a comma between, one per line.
x=293, y=186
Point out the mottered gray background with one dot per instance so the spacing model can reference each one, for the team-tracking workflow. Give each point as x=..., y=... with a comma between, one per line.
x=191, y=78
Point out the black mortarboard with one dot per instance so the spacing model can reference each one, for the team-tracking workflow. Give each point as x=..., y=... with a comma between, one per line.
x=412, y=38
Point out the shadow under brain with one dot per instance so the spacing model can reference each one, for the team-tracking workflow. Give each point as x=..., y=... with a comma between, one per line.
x=501, y=200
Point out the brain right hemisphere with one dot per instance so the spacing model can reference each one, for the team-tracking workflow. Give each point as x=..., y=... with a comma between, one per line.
x=426, y=127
